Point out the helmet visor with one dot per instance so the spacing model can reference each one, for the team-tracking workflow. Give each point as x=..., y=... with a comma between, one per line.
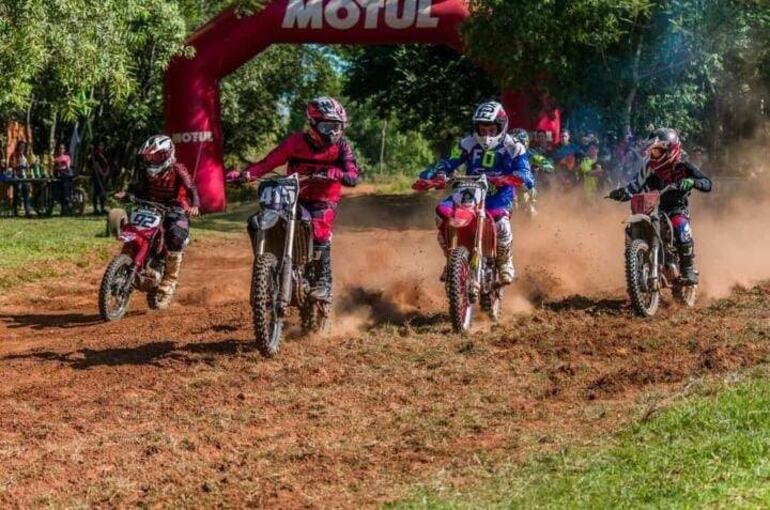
x=329, y=128
x=487, y=129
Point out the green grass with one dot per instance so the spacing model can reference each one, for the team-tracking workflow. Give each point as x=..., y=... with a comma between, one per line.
x=34, y=249
x=232, y=221
x=708, y=451
x=397, y=184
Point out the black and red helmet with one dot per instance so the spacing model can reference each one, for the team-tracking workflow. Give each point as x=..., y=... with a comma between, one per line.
x=327, y=118
x=663, y=148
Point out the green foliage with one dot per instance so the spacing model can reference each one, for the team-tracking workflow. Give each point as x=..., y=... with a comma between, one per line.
x=406, y=150
x=431, y=88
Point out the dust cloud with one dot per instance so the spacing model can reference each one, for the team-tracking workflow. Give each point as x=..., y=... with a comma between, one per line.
x=573, y=247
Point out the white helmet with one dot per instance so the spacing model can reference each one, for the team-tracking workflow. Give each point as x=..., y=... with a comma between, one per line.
x=490, y=124
x=158, y=154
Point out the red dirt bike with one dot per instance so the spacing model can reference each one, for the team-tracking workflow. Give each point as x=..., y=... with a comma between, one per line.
x=283, y=273
x=140, y=264
x=652, y=261
x=471, y=268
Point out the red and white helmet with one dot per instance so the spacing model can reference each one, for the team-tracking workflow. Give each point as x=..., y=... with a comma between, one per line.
x=158, y=154
x=327, y=118
x=663, y=148
x=490, y=124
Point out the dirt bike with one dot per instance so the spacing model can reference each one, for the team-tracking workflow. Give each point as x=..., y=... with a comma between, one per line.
x=471, y=236
x=283, y=274
x=140, y=264
x=652, y=261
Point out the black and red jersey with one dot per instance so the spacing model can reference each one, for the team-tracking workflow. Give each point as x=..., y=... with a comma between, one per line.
x=173, y=187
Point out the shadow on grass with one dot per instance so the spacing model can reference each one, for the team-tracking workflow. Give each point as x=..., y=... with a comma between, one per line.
x=146, y=354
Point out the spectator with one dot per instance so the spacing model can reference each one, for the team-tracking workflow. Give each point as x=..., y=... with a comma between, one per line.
x=565, y=157
x=62, y=170
x=591, y=170
x=20, y=168
x=6, y=187
x=101, y=178
x=542, y=143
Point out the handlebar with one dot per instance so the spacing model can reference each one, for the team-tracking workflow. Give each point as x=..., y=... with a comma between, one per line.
x=135, y=200
x=303, y=179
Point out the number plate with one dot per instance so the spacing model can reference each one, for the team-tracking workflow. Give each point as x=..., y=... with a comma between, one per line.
x=278, y=196
x=145, y=218
x=467, y=195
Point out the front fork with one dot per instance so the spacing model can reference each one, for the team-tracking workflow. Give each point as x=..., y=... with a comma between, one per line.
x=655, y=269
x=286, y=264
x=477, y=268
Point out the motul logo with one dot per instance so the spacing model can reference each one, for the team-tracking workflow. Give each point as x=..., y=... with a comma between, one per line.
x=345, y=14
x=193, y=137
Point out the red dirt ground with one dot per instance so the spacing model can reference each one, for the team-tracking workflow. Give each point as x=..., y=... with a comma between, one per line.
x=177, y=408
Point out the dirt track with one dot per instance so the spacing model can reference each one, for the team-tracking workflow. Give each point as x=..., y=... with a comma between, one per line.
x=177, y=408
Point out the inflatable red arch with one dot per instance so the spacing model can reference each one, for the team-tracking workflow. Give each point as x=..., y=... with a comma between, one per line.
x=228, y=41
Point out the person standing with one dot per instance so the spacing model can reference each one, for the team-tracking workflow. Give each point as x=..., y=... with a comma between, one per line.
x=100, y=180
x=62, y=170
x=20, y=169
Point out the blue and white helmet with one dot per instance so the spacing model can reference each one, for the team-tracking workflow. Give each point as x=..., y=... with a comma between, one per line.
x=490, y=124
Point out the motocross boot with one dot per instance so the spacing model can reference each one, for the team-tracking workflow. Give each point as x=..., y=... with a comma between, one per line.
x=687, y=263
x=505, y=264
x=170, y=279
x=323, y=273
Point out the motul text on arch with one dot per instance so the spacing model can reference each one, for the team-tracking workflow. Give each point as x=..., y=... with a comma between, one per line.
x=346, y=14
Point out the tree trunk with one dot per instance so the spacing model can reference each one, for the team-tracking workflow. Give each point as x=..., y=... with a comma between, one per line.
x=631, y=97
x=382, y=146
x=52, y=132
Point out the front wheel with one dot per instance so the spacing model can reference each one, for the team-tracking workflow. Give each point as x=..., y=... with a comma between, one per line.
x=265, y=292
x=686, y=294
x=115, y=290
x=644, y=298
x=458, y=276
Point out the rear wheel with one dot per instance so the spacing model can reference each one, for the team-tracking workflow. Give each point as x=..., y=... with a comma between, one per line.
x=686, y=294
x=458, y=275
x=265, y=290
x=115, y=290
x=492, y=304
x=315, y=316
x=644, y=299
x=44, y=200
x=79, y=199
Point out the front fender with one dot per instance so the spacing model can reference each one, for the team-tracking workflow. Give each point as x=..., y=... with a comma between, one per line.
x=638, y=218
x=265, y=220
x=640, y=226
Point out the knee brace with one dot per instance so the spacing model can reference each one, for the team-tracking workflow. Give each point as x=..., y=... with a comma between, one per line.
x=504, y=231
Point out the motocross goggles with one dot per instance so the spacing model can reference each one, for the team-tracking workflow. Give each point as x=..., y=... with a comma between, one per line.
x=487, y=129
x=156, y=158
x=329, y=128
x=657, y=152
